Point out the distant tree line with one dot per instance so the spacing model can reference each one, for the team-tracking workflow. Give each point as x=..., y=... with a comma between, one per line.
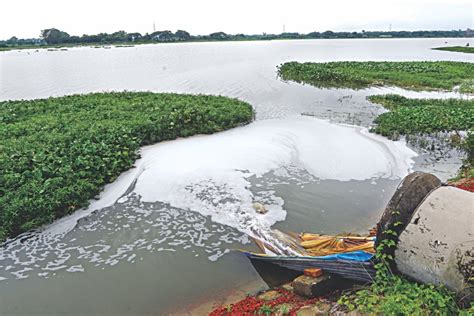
x=57, y=37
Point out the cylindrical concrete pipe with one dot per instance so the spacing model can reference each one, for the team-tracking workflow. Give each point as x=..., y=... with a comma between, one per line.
x=435, y=228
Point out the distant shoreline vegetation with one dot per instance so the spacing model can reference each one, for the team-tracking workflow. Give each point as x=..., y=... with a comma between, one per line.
x=54, y=37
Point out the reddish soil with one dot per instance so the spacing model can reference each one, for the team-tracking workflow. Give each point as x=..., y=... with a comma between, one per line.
x=464, y=184
x=252, y=305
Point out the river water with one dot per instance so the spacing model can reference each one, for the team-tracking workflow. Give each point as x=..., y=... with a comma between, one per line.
x=160, y=238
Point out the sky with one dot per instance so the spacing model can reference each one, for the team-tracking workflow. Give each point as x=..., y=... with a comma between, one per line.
x=25, y=18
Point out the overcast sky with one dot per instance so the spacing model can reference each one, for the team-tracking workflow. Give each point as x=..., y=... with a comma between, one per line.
x=25, y=18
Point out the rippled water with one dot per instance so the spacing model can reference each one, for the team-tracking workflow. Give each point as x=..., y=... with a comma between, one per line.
x=160, y=237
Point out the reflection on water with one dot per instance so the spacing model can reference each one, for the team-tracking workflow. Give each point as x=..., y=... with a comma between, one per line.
x=148, y=255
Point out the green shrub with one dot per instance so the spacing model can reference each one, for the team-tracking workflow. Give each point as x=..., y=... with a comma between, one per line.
x=468, y=146
x=392, y=294
x=396, y=295
x=58, y=153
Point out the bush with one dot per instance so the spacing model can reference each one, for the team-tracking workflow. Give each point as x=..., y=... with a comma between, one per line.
x=58, y=153
x=392, y=294
x=399, y=296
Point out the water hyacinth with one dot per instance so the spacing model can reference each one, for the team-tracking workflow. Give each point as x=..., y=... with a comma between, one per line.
x=57, y=153
x=415, y=75
x=413, y=116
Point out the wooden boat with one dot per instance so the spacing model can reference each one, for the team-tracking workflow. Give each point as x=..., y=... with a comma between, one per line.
x=277, y=265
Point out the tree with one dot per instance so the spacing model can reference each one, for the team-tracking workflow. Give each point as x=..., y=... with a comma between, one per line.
x=328, y=34
x=132, y=37
x=163, y=36
x=13, y=40
x=218, y=35
x=54, y=36
x=182, y=35
x=120, y=36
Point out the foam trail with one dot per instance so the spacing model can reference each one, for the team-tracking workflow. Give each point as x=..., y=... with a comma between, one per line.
x=179, y=186
x=209, y=174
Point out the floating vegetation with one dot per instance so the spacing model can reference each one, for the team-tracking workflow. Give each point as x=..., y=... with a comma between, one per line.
x=459, y=49
x=406, y=116
x=414, y=75
x=429, y=116
x=422, y=116
x=58, y=153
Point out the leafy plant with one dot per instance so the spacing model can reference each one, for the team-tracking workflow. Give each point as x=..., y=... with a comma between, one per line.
x=413, y=116
x=415, y=75
x=58, y=153
x=459, y=49
x=265, y=310
x=283, y=309
x=392, y=294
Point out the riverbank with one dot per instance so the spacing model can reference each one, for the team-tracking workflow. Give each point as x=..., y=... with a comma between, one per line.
x=58, y=153
x=64, y=46
x=394, y=296
x=54, y=38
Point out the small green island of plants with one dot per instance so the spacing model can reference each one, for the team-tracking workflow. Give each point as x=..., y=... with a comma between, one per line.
x=458, y=49
x=414, y=75
x=427, y=116
x=58, y=153
x=411, y=116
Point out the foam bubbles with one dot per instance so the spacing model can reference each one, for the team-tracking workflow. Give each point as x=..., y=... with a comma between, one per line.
x=209, y=174
x=196, y=195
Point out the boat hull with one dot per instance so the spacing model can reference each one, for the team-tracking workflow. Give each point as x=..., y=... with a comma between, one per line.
x=360, y=271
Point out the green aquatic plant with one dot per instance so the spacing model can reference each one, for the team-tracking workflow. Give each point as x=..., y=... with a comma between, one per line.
x=427, y=116
x=414, y=116
x=415, y=75
x=58, y=153
x=458, y=49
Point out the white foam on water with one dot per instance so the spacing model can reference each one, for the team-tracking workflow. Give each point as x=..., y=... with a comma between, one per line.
x=209, y=174
x=197, y=193
x=167, y=171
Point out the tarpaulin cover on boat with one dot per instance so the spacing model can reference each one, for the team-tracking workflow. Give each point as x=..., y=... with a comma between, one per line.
x=356, y=265
x=346, y=255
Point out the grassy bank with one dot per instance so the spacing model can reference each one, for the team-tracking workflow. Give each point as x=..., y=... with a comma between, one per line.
x=459, y=49
x=392, y=294
x=424, y=75
x=57, y=153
